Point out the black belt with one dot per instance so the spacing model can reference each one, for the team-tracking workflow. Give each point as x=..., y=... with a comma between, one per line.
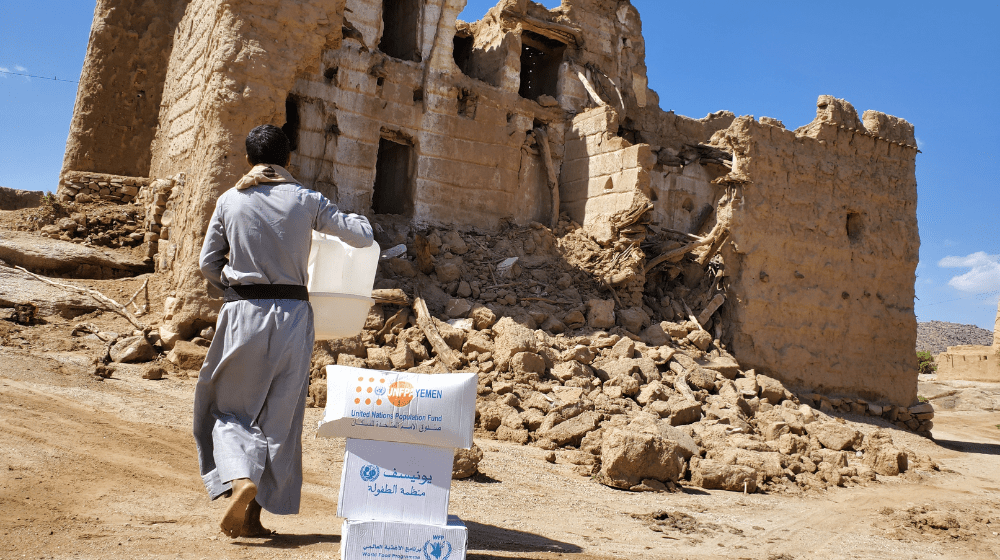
x=266, y=291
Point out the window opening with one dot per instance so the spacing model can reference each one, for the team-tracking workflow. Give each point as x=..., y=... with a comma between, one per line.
x=331, y=75
x=393, y=178
x=400, y=20
x=463, y=52
x=855, y=227
x=292, y=121
x=540, y=61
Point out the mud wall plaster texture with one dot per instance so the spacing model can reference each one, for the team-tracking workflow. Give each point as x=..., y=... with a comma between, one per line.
x=822, y=264
x=118, y=99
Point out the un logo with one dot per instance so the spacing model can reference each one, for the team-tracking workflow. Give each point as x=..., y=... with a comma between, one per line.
x=437, y=549
x=369, y=473
x=380, y=390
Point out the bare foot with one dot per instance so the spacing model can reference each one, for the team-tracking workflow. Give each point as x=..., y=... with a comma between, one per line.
x=251, y=526
x=244, y=492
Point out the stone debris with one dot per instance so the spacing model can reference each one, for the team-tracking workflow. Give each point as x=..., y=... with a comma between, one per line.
x=187, y=355
x=629, y=390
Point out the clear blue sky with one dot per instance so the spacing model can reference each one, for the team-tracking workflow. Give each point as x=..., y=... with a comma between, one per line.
x=936, y=64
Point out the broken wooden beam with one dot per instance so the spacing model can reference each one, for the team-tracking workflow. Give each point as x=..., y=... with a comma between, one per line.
x=390, y=297
x=441, y=348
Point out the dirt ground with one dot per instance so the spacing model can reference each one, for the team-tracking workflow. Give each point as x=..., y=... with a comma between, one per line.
x=107, y=469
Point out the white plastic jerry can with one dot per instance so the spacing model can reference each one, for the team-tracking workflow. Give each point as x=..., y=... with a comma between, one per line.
x=340, y=284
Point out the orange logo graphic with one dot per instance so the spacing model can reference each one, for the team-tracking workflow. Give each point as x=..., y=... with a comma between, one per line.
x=369, y=389
x=400, y=393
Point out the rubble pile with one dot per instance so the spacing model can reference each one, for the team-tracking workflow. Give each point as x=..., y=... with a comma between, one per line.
x=628, y=385
x=100, y=224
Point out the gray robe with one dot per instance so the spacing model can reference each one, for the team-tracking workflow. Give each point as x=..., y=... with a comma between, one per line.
x=250, y=399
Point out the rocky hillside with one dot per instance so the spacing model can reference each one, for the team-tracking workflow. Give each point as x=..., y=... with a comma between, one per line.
x=937, y=336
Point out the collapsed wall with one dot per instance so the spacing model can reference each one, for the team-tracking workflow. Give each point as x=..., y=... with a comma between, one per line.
x=823, y=254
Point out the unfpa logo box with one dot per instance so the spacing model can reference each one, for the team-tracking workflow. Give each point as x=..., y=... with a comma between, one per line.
x=389, y=481
x=435, y=410
x=387, y=540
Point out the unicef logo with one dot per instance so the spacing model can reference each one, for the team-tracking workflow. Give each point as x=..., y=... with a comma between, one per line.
x=380, y=390
x=369, y=473
x=437, y=549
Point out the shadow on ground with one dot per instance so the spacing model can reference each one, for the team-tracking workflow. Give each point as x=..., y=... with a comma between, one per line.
x=288, y=541
x=489, y=537
x=969, y=446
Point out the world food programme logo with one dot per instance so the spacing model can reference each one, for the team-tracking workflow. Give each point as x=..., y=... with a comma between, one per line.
x=369, y=473
x=437, y=549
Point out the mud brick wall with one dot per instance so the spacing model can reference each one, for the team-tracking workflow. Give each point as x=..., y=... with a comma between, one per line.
x=118, y=99
x=603, y=172
x=100, y=186
x=467, y=165
x=231, y=68
x=822, y=264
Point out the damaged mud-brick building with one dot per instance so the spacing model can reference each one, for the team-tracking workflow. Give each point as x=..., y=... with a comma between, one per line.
x=401, y=112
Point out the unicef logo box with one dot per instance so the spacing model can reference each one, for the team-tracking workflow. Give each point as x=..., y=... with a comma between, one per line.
x=389, y=481
x=436, y=410
x=386, y=540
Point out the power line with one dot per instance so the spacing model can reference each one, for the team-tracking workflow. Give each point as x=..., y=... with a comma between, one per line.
x=39, y=77
x=984, y=295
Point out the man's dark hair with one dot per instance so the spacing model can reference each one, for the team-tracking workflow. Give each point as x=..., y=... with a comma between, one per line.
x=267, y=144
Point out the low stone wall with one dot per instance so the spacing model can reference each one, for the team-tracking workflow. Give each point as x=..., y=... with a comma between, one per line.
x=88, y=187
x=14, y=199
x=917, y=417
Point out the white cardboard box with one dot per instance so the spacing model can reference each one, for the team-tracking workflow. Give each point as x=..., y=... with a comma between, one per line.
x=386, y=540
x=437, y=410
x=390, y=481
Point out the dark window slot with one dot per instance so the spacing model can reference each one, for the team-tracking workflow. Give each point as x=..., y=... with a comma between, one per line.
x=400, y=19
x=540, y=61
x=393, y=179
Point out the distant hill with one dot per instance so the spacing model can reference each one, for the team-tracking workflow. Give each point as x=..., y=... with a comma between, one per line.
x=936, y=336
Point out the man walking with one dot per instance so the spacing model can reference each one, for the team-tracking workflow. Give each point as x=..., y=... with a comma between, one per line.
x=250, y=399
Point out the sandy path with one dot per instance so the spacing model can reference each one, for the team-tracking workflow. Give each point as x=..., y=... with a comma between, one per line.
x=106, y=469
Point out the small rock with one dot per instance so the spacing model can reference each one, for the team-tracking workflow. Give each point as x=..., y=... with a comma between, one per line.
x=834, y=435
x=484, y=318
x=154, y=372
x=458, y=308
x=713, y=475
x=574, y=319
x=701, y=339
x=134, y=349
x=466, y=462
x=448, y=271
x=628, y=457
x=550, y=457
x=380, y=359
x=187, y=355
x=601, y=313
x=624, y=348
x=633, y=319
x=771, y=389
x=208, y=333
x=675, y=330
x=655, y=336
x=882, y=455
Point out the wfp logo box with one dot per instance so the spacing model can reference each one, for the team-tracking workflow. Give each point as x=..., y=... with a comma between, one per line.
x=387, y=540
x=389, y=481
x=435, y=410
